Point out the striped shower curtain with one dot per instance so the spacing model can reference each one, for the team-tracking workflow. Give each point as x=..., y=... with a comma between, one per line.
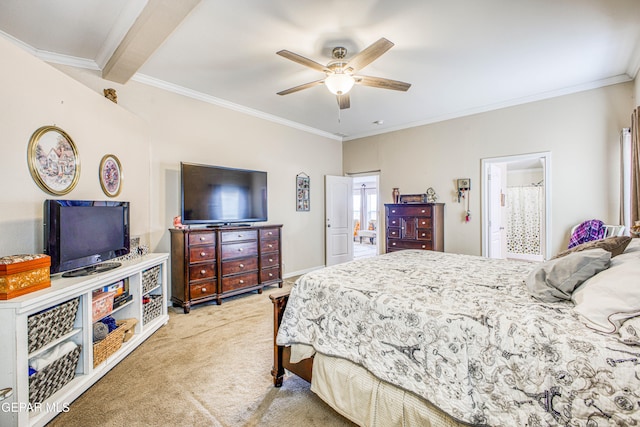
x=524, y=210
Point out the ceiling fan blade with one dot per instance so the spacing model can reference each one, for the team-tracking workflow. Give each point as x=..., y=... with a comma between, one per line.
x=343, y=101
x=303, y=61
x=369, y=54
x=382, y=83
x=301, y=87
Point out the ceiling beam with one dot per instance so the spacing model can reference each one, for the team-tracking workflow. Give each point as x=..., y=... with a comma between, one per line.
x=156, y=22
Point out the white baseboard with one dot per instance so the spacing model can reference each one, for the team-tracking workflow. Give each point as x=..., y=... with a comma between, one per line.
x=300, y=272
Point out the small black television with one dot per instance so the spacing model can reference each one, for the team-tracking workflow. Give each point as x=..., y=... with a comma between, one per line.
x=81, y=234
x=220, y=195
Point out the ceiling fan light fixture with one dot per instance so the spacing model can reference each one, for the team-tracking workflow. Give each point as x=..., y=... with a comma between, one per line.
x=339, y=83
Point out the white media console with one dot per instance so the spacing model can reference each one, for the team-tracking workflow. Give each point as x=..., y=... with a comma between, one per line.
x=18, y=408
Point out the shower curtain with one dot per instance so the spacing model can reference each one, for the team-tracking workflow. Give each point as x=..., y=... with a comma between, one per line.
x=524, y=211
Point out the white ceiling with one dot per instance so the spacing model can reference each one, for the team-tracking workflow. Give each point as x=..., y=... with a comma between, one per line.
x=461, y=56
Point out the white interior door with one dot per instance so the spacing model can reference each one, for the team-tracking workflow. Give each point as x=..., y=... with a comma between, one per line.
x=497, y=227
x=338, y=219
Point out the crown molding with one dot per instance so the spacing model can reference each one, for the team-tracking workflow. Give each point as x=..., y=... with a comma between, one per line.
x=622, y=78
x=161, y=84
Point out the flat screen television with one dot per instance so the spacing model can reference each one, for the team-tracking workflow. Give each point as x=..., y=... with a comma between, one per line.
x=219, y=195
x=81, y=234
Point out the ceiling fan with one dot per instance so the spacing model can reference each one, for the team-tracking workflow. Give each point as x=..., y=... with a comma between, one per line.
x=340, y=73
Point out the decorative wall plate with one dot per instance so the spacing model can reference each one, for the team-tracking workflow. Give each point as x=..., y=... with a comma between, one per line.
x=53, y=160
x=110, y=175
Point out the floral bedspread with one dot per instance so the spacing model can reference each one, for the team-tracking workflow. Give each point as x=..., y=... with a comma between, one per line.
x=464, y=333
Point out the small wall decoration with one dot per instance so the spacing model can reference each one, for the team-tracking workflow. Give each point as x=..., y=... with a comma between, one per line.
x=53, y=160
x=110, y=175
x=302, y=192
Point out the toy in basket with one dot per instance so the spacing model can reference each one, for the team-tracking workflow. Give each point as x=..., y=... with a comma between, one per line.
x=113, y=341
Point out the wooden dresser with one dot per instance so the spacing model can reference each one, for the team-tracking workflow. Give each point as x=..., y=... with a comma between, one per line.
x=214, y=263
x=414, y=226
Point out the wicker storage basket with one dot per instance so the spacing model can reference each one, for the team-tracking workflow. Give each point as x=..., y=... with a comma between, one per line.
x=150, y=279
x=113, y=341
x=51, y=324
x=53, y=377
x=152, y=309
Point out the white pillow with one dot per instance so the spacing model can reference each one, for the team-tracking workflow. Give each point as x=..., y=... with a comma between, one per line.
x=611, y=296
x=633, y=246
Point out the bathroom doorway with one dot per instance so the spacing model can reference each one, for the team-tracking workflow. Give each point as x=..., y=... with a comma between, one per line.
x=516, y=206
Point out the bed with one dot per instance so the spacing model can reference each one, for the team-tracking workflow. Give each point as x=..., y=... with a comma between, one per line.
x=432, y=338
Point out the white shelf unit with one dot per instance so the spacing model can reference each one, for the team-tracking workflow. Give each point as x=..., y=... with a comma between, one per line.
x=14, y=355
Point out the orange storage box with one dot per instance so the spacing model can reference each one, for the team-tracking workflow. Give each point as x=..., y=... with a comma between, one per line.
x=21, y=274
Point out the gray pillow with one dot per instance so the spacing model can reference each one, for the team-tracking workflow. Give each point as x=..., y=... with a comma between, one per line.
x=556, y=279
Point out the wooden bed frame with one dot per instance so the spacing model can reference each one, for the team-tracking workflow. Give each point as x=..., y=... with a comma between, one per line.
x=282, y=354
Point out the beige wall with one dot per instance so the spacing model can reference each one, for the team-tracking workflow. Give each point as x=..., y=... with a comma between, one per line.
x=151, y=131
x=35, y=94
x=581, y=131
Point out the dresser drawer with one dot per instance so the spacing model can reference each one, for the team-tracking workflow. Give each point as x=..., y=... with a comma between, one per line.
x=204, y=238
x=394, y=233
x=411, y=210
x=269, y=245
x=393, y=221
x=202, y=253
x=203, y=271
x=401, y=244
x=269, y=274
x=424, y=234
x=424, y=222
x=239, y=281
x=239, y=266
x=202, y=290
x=238, y=235
x=270, y=260
x=237, y=250
x=269, y=233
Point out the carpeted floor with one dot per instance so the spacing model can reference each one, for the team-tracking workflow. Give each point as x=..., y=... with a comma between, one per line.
x=207, y=368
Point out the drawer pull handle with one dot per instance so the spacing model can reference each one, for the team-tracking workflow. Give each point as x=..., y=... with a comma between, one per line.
x=203, y=253
x=203, y=272
x=270, y=233
x=423, y=246
x=241, y=281
x=204, y=290
x=270, y=274
x=270, y=259
x=241, y=265
x=393, y=244
x=423, y=223
x=424, y=234
x=239, y=236
x=202, y=238
x=270, y=246
x=393, y=211
x=423, y=211
x=239, y=249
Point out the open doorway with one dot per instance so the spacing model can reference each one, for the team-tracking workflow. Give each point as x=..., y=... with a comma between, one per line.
x=516, y=206
x=365, y=216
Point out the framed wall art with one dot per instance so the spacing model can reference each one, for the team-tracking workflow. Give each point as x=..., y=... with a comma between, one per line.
x=110, y=175
x=302, y=192
x=53, y=160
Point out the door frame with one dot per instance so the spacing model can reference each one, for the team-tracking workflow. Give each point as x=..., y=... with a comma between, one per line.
x=545, y=157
